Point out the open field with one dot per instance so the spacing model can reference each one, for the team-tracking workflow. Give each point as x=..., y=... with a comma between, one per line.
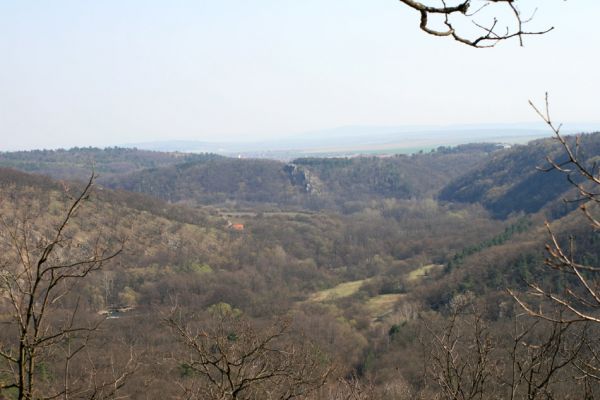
x=380, y=306
x=377, y=306
x=342, y=290
x=423, y=271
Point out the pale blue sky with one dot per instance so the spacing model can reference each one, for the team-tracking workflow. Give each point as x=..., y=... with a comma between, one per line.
x=86, y=72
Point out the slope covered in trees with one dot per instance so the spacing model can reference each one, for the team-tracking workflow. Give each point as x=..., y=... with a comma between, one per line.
x=209, y=179
x=513, y=180
x=77, y=162
x=362, y=285
x=504, y=181
x=189, y=257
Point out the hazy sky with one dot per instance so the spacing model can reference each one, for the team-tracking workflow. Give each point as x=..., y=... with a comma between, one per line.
x=106, y=72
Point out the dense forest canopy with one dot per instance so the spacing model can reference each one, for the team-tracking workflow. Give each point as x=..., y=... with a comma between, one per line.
x=466, y=272
x=355, y=263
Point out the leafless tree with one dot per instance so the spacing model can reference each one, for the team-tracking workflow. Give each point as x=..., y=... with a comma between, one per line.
x=582, y=297
x=504, y=22
x=43, y=326
x=460, y=353
x=539, y=358
x=470, y=359
x=579, y=302
x=228, y=358
x=352, y=388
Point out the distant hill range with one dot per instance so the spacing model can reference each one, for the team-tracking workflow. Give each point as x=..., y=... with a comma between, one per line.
x=363, y=140
x=78, y=162
x=513, y=181
x=305, y=182
x=504, y=180
x=211, y=179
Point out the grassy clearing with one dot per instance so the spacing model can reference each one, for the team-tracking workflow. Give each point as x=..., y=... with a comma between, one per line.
x=383, y=304
x=342, y=290
x=419, y=273
x=378, y=306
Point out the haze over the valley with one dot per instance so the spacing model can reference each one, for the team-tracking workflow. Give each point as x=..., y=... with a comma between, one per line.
x=112, y=72
x=365, y=140
x=299, y=199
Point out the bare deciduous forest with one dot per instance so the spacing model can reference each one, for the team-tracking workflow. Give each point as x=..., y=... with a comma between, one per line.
x=465, y=272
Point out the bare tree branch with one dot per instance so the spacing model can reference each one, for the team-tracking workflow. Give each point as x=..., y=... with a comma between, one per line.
x=490, y=33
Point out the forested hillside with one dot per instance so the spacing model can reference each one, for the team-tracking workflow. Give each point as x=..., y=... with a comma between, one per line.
x=513, y=180
x=312, y=183
x=401, y=176
x=504, y=181
x=280, y=264
x=308, y=213
x=352, y=263
x=77, y=163
x=334, y=183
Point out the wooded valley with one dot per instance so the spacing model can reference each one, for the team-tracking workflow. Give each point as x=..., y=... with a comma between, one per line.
x=176, y=275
